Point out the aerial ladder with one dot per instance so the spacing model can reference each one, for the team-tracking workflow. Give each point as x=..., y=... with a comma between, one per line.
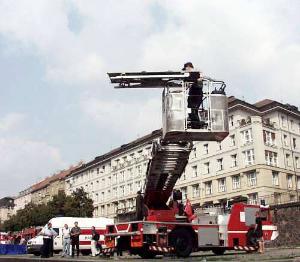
x=170, y=154
x=161, y=231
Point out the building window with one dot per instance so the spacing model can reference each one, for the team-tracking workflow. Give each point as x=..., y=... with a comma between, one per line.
x=271, y=158
x=130, y=188
x=252, y=180
x=292, y=124
x=122, y=190
x=102, y=196
x=233, y=160
x=236, y=182
x=196, y=191
x=219, y=145
x=247, y=136
x=122, y=174
x=288, y=159
x=294, y=143
x=206, y=167
x=275, y=178
x=269, y=138
x=130, y=173
x=184, y=193
x=289, y=181
x=220, y=164
x=283, y=121
x=205, y=146
x=285, y=140
x=138, y=185
x=115, y=192
x=139, y=170
x=298, y=182
x=232, y=140
x=297, y=162
x=231, y=120
x=249, y=157
x=253, y=199
x=194, y=171
x=222, y=184
x=208, y=188
x=114, y=178
x=194, y=153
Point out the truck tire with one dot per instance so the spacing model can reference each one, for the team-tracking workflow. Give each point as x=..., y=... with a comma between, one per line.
x=218, y=251
x=182, y=241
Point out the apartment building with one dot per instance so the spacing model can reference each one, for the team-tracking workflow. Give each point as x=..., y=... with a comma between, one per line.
x=22, y=199
x=113, y=179
x=43, y=191
x=6, y=208
x=259, y=160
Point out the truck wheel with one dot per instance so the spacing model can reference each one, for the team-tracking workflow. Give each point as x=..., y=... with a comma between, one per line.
x=218, y=251
x=183, y=242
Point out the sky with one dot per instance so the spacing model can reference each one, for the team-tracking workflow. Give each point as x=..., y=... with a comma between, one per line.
x=57, y=106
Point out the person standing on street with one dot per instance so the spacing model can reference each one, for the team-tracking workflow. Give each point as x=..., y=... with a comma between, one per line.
x=259, y=231
x=94, y=241
x=48, y=233
x=75, y=233
x=66, y=235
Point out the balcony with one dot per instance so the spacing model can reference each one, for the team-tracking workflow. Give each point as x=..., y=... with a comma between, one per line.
x=243, y=122
x=267, y=123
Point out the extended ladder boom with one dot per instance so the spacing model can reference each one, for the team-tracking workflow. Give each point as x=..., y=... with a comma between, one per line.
x=164, y=169
x=184, y=121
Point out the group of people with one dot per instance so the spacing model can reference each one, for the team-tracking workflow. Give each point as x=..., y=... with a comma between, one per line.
x=70, y=238
x=13, y=239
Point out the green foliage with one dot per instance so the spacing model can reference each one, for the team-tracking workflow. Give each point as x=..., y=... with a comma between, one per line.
x=76, y=205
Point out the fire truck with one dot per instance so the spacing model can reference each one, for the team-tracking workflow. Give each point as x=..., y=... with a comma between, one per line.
x=163, y=229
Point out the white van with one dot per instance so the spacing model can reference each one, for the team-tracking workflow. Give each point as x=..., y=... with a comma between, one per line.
x=85, y=224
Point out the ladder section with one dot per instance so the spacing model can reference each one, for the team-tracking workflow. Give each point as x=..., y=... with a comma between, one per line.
x=168, y=162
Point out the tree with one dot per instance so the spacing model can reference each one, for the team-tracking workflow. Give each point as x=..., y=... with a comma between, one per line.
x=77, y=205
x=80, y=204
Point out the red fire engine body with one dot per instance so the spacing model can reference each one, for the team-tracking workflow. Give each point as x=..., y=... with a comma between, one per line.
x=162, y=229
x=216, y=231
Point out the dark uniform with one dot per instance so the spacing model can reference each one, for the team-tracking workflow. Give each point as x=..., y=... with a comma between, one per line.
x=140, y=209
x=195, y=95
x=75, y=232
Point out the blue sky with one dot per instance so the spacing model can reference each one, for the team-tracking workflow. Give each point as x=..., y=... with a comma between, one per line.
x=57, y=106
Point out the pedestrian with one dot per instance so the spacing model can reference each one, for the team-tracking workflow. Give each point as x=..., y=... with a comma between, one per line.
x=48, y=233
x=94, y=242
x=66, y=235
x=23, y=241
x=139, y=206
x=259, y=231
x=75, y=233
x=119, y=246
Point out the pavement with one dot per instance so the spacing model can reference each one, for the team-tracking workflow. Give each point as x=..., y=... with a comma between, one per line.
x=271, y=254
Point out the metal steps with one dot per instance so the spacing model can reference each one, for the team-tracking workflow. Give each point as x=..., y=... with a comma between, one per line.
x=168, y=162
